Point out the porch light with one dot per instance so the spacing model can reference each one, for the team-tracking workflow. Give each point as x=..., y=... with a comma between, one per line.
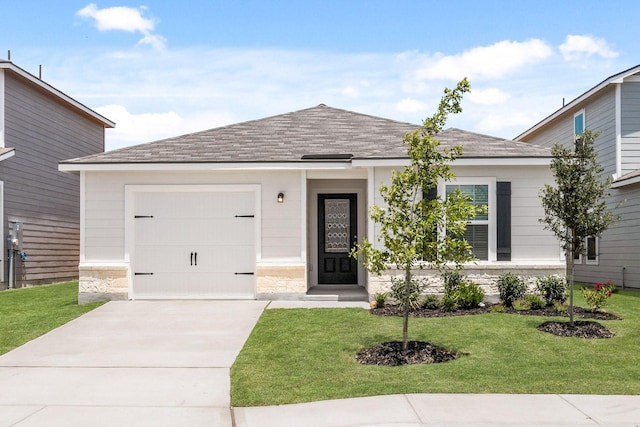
x=280, y=198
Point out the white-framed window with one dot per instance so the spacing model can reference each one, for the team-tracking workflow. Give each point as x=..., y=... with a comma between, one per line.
x=480, y=232
x=579, y=124
x=592, y=249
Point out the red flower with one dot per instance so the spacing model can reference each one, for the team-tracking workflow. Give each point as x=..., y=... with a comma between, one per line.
x=598, y=286
x=609, y=294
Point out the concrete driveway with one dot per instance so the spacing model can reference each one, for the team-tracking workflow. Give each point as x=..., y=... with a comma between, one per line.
x=155, y=363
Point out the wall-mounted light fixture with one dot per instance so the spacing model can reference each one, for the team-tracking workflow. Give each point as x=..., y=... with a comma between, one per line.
x=280, y=198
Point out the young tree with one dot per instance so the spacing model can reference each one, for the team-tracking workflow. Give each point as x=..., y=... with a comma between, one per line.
x=576, y=208
x=411, y=226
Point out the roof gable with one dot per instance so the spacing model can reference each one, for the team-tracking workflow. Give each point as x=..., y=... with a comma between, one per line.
x=316, y=134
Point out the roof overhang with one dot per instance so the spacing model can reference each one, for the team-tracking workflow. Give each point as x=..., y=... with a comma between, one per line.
x=273, y=166
x=7, y=65
x=615, y=79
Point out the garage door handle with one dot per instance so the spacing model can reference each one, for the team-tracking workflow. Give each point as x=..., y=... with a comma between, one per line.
x=143, y=274
x=244, y=274
x=195, y=258
x=191, y=263
x=245, y=216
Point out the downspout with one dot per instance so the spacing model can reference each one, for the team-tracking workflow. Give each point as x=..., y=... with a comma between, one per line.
x=618, y=119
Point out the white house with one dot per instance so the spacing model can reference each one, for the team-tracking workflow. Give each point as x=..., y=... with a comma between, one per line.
x=270, y=208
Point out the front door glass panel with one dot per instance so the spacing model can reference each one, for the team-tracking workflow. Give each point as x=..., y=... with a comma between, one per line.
x=337, y=225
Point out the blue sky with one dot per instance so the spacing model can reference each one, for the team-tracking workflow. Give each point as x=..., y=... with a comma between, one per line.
x=164, y=68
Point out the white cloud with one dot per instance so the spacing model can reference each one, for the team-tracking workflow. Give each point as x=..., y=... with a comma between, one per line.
x=122, y=18
x=409, y=105
x=490, y=62
x=490, y=96
x=577, y=48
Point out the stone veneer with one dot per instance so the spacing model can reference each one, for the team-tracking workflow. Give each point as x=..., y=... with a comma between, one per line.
x=483, y=275
x=280, y=282
x=102, y=283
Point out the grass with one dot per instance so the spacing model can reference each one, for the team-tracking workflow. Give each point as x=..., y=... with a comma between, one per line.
x=27, y=313
x=302, y=355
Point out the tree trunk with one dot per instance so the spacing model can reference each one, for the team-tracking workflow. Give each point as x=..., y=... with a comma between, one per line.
x=405, y=321
x=569, y=274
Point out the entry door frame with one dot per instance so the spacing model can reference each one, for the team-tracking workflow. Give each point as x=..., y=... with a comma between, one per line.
x=129, y=222
x=333, y=186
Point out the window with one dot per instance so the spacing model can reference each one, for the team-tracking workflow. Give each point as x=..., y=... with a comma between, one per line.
x=477, y=233
x=592, y=250
x=578, y=123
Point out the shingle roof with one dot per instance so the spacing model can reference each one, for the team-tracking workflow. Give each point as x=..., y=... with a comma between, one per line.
x=320, y=133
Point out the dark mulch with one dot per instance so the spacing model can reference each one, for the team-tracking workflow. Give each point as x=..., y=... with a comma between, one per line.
x=580, y=329
x=579, y=312
x=391, y=354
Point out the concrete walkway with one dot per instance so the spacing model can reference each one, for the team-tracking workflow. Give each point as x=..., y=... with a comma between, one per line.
x=166, y=363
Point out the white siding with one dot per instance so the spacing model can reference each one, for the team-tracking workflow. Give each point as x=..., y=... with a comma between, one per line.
x=530, y=243
x=104, y=209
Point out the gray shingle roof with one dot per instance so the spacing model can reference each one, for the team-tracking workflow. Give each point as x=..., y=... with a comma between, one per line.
x=319, y=133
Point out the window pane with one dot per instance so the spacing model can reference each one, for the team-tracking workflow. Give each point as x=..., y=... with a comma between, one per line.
x=592, y=253
x=578, y=124
x=478, y=238
x=479, y=195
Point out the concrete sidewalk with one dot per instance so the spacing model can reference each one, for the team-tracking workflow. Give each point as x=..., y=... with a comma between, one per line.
x=457, y=410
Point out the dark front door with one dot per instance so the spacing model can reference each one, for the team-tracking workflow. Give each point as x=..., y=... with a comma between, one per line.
x=337, y=234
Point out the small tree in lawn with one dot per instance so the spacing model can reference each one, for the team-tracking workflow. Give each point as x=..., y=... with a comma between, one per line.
x=575, y=208
x=411, y=227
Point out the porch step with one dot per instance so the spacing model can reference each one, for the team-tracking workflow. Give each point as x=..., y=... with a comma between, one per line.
x=337, y=293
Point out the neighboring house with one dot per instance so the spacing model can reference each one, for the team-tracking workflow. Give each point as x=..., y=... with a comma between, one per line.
x=613, y=109
x=270, y=208
x=39, y=126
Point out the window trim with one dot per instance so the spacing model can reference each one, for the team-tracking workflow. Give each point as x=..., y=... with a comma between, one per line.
x=595, y=261
x=492, y=213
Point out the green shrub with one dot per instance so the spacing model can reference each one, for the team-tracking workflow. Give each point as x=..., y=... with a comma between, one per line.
x=497, y=308
x=415, y=290
x=449, y=303
x=560, y=307
x=431, y=302
x=597, y=296
x=470, y=295
x=521, y=304
x=464, y=294
x=535, y=301
x=451, y=280
x=511, y=287
x=553, y=289
x=381, y=299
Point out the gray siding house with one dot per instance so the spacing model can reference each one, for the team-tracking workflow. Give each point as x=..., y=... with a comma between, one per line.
x=612, y=108
x=39, y=126
x=270, y=209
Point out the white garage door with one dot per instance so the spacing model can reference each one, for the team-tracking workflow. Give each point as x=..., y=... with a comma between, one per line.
x=194, y=245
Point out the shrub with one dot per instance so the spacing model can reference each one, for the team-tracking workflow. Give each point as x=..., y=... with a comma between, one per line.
x=553, y=289
x=431, y=302
x=497, y=308
x=535, y=301
x=521, y=304
x=511, y=287
x=415, y=289
x=381, y=299
x=452, y=280
x=597, y=296
x=470, y=295
x=465, y=294
x=560, y=307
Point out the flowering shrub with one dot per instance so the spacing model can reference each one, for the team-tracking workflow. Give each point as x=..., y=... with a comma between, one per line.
x=597, y=296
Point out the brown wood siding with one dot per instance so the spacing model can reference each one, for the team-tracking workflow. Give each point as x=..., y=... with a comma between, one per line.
x=43, y=132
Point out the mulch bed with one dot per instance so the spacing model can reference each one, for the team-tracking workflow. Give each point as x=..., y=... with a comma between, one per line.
x=391, y=354
x=580, y=329
x=578, y=312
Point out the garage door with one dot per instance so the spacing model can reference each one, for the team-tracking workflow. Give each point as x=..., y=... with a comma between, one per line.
x=194, y=245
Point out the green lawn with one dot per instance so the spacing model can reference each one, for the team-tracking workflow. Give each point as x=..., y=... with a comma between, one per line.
x=305, y=355
x=30, y=312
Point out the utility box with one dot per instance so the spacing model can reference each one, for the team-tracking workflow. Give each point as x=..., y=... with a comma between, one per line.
x=15, y=236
